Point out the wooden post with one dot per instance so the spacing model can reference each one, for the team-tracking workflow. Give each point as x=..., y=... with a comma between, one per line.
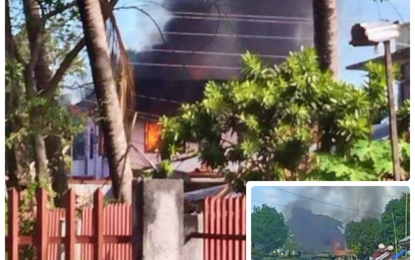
x=392, y=114
x=13, y=225
x=42, y=225
x=70, y=225
x=98, y=218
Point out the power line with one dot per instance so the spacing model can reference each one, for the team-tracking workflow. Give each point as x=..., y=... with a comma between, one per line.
x=266, y=37
x=246, y=20
x=184, y=66
x=270, y=17
x=380, y=15
x=399, y=14
x=213, y=53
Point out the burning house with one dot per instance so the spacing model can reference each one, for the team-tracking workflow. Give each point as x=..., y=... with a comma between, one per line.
x=202, y=41
x=317, y=232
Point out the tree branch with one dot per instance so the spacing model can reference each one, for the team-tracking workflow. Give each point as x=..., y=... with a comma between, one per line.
x=60, y=72
x=36, y=49
x=58, y=11
x=10, y=42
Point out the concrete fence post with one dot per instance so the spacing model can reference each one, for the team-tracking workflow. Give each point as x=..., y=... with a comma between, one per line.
x=159, y=219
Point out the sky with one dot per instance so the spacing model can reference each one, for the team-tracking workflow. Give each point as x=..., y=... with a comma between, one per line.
x=342, y=203
x=350, y=12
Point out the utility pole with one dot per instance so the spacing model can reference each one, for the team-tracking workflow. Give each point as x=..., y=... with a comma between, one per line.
x=371, y=34
x=392, y=113
x=406, y=219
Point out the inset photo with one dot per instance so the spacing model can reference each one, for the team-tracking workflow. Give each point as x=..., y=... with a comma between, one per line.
x=327, y=222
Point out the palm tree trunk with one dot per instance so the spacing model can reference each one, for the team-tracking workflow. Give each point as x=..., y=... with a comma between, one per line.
x=326, y=35
x=108, y=102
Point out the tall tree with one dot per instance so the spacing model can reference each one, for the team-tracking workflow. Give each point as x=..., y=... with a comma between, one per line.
x=326, y=39
x=45, y=46
x=394, y=222
x=17, y=163
x=51, y=147
x=31, y=45
x=108, y=102
x=268, y=228
x=363, y=237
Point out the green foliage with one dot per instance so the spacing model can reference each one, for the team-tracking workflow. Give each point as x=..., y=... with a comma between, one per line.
x=60, y=36
x=257, y=254
x=268, y=228
x=164, y=170
x=364, y=236
x=404, y=115
x=393, y=218
x=55, y=120
x=376, y=89
x=291, y=245
x=13, y=72
x=274, y=115
x=366, y=161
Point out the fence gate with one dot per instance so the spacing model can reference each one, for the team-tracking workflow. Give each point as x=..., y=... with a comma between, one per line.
x=225, y=228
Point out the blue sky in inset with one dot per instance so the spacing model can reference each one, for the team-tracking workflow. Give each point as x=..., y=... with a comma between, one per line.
x=331, y=201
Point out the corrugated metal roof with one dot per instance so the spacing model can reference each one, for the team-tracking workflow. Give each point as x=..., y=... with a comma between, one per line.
x=380, y=131
x=401, y=56
x=208, y=192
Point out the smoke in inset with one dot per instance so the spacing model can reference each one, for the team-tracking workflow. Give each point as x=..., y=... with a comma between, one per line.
x=345, y=203
x=317, y=216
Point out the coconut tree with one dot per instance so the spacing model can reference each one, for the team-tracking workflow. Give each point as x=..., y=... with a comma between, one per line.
x=108, y=102
x=326, y=34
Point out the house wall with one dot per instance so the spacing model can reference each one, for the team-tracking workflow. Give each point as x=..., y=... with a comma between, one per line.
x=138, y=158
x=91, y=164
x=95, y=165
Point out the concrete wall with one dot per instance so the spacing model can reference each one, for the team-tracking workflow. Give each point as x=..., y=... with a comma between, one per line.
x=165, y=227
x=193, y=248
x=161, y=219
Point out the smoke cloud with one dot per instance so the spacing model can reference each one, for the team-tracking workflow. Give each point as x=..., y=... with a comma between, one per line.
x=354, y=203
x=204, y=39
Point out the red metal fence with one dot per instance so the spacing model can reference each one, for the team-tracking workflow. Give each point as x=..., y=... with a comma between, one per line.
x=225, y=228
x=105, y=231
